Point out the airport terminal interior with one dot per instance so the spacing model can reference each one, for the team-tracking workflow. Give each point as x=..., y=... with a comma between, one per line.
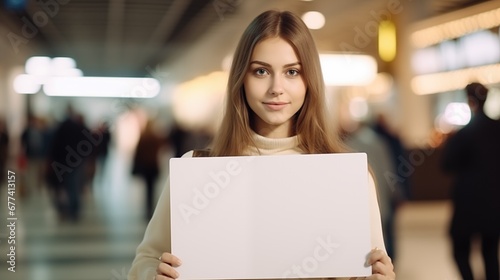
x=395, y=73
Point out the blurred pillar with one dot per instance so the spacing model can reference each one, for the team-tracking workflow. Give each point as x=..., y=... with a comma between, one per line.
x=416, y=122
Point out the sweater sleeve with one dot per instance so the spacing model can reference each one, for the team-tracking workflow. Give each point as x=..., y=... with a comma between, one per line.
x=156, y=238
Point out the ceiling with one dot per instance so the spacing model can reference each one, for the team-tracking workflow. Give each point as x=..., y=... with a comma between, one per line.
x=181, y=37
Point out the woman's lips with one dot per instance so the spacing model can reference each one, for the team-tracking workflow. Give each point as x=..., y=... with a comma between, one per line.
x=275, y=106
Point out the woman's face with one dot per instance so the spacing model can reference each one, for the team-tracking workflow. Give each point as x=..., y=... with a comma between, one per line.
x=274, y=87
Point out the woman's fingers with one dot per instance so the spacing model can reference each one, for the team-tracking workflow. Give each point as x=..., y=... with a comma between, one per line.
x=170, y=259
x=378, y=255
x=165, y=270
x=382, y=267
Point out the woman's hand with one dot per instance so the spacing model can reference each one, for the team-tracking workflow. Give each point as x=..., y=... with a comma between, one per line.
x=165, y=270
x=382, y=268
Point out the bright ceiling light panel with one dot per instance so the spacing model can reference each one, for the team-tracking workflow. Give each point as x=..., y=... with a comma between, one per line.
x=454, y=80
x=348, y=69
x=59, y=77
x=102, y=87
x=455, y=28
x=26, y=84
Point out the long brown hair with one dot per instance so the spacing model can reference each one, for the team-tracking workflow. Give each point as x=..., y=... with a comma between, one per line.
x=314, y=131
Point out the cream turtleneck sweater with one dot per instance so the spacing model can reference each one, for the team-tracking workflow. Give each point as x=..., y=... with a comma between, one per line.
x=274, y=146
x=157, y=236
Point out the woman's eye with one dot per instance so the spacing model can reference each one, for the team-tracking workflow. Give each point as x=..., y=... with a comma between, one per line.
x=293, y=72
x=260, y=72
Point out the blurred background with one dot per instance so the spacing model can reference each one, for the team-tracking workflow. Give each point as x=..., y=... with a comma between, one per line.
x=106, y=92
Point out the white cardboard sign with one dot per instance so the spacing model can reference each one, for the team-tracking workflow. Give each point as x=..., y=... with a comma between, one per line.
x=292, y=216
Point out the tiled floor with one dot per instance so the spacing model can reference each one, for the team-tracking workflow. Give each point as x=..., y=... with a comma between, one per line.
x=102, y=245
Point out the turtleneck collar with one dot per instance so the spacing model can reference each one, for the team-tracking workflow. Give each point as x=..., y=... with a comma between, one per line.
x=274, y=146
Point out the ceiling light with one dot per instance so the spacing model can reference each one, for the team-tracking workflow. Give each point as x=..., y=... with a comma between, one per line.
x=60, y=66
x=348, y=69
x=453, y=29
x=314, y=20
x=454, y=80
x=102, y=87
x=387, y=40
x=40, y=68
x=60, y=77
x=38, y=65
x=26, y=84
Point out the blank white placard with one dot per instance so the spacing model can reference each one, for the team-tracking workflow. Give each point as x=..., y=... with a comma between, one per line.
x=288, y=216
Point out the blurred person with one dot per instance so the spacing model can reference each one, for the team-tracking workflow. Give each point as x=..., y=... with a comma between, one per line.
x=67, y=162
x=275, y=106
x=95, y=160
x=182, y=140
x=177, y=138
x=102, y=149
x=146, y=163
x=33, y=142
x=365, y=139
x=471, y=156
x=397, y=152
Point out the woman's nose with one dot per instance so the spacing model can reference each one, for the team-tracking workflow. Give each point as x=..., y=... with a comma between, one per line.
x=276, y=87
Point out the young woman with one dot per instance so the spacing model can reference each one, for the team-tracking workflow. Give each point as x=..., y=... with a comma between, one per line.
x=275, y=105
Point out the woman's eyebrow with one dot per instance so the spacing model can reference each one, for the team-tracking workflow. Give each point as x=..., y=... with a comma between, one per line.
x=269, y=65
